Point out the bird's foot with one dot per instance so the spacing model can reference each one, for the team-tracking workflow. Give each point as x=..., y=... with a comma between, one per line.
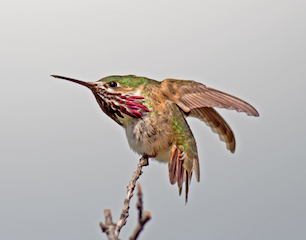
x=145, y=160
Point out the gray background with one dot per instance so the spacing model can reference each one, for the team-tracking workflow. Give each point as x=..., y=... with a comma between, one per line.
x=63, y=161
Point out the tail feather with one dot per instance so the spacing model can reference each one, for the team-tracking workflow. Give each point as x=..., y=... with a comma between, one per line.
x=173, y=166
x=180, y=191
x=178, y=173
x=187, y=182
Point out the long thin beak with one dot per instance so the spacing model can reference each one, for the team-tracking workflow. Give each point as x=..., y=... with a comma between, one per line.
x=86, y=84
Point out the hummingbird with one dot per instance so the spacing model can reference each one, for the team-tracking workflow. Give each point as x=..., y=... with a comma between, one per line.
x=154, y=113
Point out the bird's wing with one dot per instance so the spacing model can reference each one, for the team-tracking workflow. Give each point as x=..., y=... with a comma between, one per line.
x=217, y=124
x=190, y=94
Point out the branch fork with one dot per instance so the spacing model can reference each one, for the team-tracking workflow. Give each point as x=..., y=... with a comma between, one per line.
x=111, y=229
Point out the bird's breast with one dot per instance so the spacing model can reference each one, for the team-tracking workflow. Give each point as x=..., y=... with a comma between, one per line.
x=150, y=135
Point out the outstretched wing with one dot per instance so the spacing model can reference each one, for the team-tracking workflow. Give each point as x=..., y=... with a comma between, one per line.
x=190, y=94
x=197, y=100
x=217, y=124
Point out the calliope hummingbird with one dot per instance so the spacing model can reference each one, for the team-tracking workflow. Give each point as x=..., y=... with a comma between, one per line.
x=154, y=114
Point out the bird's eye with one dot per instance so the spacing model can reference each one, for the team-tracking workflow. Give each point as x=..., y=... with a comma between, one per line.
x=113, y=84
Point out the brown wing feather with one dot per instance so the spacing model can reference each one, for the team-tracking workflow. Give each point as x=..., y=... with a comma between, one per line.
x=217, y=124
x=190, y=94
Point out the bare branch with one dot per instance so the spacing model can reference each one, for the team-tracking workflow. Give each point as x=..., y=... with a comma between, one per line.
x=111, y=229
x=130, y=188
x=141, y=219
x=139, y=203
x=109, y=226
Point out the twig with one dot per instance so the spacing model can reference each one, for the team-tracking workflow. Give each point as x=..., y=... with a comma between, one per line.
x=111, y=229
x=130, y=188
x=109, y=226
x=141, y=219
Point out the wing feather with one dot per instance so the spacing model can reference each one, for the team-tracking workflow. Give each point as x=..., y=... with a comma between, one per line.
x=217, y=124
x=190, y=94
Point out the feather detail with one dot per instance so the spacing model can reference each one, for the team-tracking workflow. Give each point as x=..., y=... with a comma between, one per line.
x=178, y=173
x=217, y=124
x=137, y=97
x=173, y=166
x=180, y=170
x=190, y=94
x=187, y=182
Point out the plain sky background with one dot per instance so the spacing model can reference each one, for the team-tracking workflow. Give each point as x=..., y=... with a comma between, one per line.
x=63, y=161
